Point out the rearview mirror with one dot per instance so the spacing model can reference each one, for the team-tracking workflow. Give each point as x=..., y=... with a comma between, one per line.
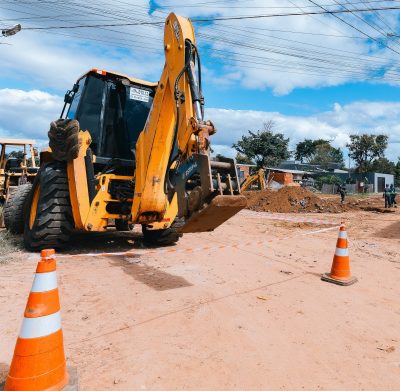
x=68, y=96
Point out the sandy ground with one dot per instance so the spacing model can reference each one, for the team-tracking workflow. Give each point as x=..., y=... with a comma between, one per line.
x=248, y=318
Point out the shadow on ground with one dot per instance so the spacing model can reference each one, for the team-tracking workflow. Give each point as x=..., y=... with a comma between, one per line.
x=390, y=232
x=81, y=242
x=151, y=276
x=109, y=241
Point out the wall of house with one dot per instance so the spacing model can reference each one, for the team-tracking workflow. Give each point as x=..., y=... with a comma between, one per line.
x=284, y=178
x=384, y=179
x=243, y=172
x=371, y=178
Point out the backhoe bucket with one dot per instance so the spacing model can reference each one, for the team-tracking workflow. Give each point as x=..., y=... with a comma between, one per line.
x=208, y=192
x=220, y=209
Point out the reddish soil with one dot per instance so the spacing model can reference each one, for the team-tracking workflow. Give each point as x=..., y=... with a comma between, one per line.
x=298, y=199
x=255, y=317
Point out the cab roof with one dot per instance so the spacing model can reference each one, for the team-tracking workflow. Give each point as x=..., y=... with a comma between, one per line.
x=16, y=141
x=132, y=79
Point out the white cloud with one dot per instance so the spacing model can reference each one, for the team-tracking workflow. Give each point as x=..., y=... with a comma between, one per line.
x=57, y=67
x=335, y=125
x=54, y=59
x=29, y=113
x=248, y=51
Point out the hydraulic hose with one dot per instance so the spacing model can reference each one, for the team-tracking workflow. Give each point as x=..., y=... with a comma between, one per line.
x=172, y=158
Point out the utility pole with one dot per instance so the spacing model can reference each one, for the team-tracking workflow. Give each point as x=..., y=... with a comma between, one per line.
x=349, y=165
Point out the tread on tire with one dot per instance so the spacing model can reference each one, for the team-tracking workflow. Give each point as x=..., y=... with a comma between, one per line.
x=53, y=223
x=163, y=237
x=14, y=208
x=63, y=139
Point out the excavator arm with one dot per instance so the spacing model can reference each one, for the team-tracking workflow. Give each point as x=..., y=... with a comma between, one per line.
x=174, y=172
x=250, y=180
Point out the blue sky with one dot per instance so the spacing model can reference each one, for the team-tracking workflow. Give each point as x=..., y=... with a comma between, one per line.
x=315, y=77
x=300, y=101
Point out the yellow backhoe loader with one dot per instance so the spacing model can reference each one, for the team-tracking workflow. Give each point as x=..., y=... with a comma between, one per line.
x=258, y=178
x=17, y=173
x=135, y=152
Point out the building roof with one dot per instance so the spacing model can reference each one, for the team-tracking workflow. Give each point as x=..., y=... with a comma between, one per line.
x=289, y=171
x=246, y=165
x=337, y=171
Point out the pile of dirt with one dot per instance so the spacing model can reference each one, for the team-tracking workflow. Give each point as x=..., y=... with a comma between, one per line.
x=293, y=199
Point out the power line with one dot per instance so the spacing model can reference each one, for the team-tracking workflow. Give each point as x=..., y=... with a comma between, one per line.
x=372, y=24
x=315, y=62
x=302, y=32
x=378, y=15
x=201, y=5
x=255, y=34
x=379, y=30
x=332, y=12
x=350, y=25
x=297, y=13
x=328, y=61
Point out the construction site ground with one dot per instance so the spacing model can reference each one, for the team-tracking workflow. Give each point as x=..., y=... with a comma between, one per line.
x=255, y=316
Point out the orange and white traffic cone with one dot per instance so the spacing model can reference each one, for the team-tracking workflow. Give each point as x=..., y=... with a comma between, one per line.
x=340, y=272
x=39, y=360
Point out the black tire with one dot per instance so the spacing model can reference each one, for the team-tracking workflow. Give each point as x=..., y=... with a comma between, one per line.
x=14, y=208
x=123, y=225
x=64, y=140
x=163, y=237
x=1, y=215
x=52, y=225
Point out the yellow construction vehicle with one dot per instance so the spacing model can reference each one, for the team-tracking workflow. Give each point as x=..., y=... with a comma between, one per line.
x=258, y=178
x=17, y=173
x=135, y=152
x=15, y=168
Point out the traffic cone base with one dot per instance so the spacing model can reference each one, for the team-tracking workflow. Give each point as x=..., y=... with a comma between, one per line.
x=39, y=363
x=327, y=277
x=73, y=380
x=72, y=383
x=340, y=272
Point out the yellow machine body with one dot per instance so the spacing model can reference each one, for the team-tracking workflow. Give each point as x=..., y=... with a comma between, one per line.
x=258, y=179
x=171, y=177
x=150, y=204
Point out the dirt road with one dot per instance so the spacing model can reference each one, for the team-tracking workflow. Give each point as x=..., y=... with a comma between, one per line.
x=244, y=318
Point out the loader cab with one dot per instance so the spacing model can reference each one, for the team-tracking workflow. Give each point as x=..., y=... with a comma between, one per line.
x=114, y=109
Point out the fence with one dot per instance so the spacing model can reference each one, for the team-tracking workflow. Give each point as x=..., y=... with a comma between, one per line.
x=350, y=188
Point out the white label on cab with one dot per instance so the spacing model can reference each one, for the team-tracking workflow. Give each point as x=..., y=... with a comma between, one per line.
x=138, y=94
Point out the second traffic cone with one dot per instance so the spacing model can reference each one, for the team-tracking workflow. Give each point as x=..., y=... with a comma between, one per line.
x=340, y=272
x=39, y=360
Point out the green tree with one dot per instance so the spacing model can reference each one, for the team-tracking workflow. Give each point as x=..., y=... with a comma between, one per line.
x=365, y=148
x=243, y=159
x=16, y=155
x=318, y=152
x=264, y=147
x=305, y=151
x=397, y=173
x=383, y=165
x=329, y=179
x=325, y=155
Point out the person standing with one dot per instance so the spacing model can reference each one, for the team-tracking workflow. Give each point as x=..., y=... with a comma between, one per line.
x=342, y=190
x=387, y=196
x=393, y=196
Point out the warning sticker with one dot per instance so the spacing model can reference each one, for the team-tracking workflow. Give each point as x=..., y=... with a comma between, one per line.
x=138, y=94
